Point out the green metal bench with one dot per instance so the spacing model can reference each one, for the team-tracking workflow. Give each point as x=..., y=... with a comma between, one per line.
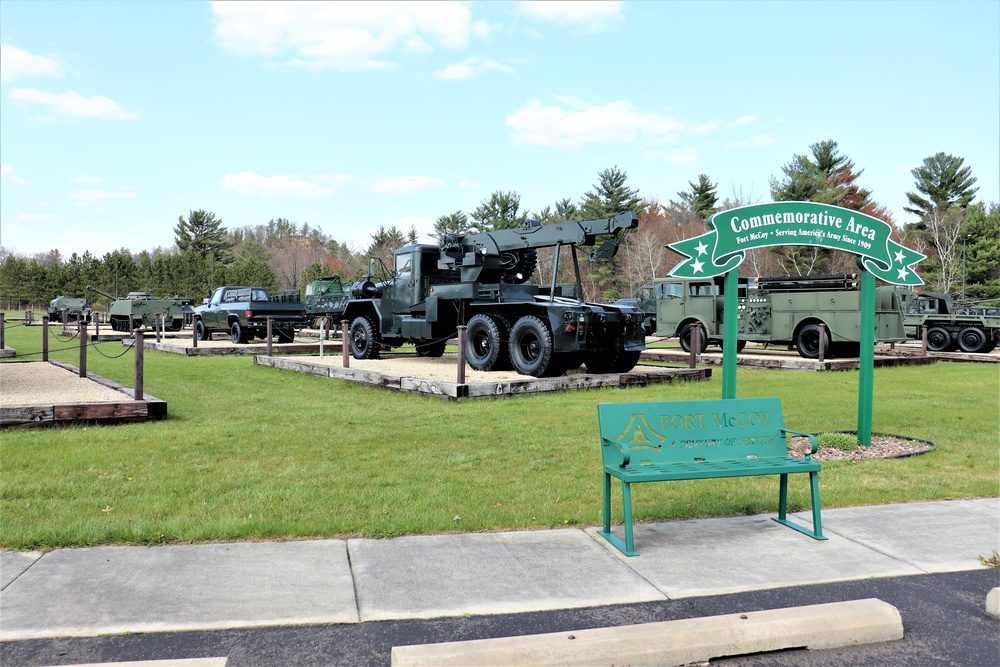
x=678, y=440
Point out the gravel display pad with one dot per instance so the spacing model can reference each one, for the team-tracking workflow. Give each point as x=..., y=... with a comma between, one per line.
x=36, y=382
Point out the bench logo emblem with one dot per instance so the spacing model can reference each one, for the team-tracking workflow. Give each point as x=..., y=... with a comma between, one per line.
x=639, y=431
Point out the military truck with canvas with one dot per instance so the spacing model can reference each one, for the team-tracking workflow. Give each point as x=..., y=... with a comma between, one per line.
x=326, y=298
x=242, y=313
x=481, y=280
x=779, y=309
x=974, y=329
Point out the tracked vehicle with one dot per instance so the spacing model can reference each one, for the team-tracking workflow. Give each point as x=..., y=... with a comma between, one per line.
x=142, y=308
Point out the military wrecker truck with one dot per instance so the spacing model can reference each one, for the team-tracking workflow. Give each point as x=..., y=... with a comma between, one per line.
x=779, y=309
x=242, y=312
x=481, y=281
x=974, y=329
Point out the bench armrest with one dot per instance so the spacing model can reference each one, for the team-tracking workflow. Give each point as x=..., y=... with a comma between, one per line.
x=812, y=439
x=623, y=452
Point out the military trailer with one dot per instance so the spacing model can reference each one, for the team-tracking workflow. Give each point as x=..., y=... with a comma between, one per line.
x=326, y=297
x=481, y=281
x=141, y=309
x=974, y=329
x=779, y=309
x=73, y=308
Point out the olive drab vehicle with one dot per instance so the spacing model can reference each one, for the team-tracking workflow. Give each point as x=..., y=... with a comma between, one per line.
x=779, y=309
x=143, y=309
x=974, y=329
x=326, y=298
x=72, y=307
x=482, y=281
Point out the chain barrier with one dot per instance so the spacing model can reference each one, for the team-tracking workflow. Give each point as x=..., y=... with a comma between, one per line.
x=127, y=349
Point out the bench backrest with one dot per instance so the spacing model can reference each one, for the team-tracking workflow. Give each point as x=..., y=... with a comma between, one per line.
x=686, y=431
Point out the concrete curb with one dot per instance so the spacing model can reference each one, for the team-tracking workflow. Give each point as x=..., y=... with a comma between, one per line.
x=993, y=603
x=675, y=642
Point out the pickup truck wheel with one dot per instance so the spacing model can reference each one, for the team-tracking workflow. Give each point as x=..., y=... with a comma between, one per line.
x=202, y=332
x=531, y=347
x=685, y=337
x=486, y=342
x=283, y=336
x=237, y=334
x=807, y=342
x=972, y=339
x=363, y=339
x=938, y=339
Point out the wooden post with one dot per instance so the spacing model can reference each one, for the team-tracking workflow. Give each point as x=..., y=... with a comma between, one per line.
x=45, y=338
x=270, y=327
x=923, y=338
x=131, y=323
x=2, y=343
x=194, y=334
x=461, y=354
x=97, y=324
x=139, y=345
x=322, y=335
x=82, y=333
x=695, y=342
x=159, y=321
x=822, y=341
x=65, y=320
x=343, y=337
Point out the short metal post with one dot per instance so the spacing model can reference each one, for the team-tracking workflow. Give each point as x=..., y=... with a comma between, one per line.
x=822, y=341
x=82, y=332
x=923, y=338
x=322, y=335
x=270, y=328
x=139, y=345
x=45, y=338
x=343, y=337
x=461, y=354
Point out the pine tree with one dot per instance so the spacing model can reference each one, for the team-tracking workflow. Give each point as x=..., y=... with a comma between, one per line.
x=500, y=211
x=452, y=223
x=944, y=182
x=202, y=233
x=702, y=197
x=610, y=197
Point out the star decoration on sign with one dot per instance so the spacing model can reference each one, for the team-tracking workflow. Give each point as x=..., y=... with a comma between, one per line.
x=698, y=267
x=899, y=257
x=701, y=248
x=902, y=273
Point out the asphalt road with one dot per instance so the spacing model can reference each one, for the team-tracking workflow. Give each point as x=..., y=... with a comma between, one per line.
x=944, y=622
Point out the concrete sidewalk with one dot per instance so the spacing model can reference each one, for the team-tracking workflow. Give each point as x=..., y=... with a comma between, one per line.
x=112, y=590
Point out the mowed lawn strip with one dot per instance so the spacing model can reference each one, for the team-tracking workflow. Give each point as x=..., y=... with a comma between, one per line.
x=255, y=453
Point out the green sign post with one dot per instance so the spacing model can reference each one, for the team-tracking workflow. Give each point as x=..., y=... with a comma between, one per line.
x=733, y=232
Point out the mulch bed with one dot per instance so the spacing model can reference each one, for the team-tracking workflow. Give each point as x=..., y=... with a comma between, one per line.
x=882, y=447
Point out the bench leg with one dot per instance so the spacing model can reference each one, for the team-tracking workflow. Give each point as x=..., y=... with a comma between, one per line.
x=817, y=532
x=628, y=546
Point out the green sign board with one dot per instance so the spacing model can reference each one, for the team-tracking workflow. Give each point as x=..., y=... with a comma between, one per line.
x=796, y=223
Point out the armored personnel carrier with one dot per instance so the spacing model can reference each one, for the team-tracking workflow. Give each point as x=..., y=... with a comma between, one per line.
x=142, y=308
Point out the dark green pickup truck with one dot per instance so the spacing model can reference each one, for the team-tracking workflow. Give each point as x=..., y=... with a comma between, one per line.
x=242, y=312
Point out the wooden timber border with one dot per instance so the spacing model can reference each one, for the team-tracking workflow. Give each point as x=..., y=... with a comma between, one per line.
x=49, y=414
x=786, y=362
x=174, y=346
x=637, y=377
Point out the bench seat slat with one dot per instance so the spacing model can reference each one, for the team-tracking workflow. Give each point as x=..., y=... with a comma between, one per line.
x=708, y=469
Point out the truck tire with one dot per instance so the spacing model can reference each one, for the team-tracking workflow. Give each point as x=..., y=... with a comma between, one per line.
x=487, y=343
x=939, y=339
x=364, y=340
x=432, y=350
x=617, y=360
x=283, y=336
x=237, y=334
x=740, y=344
x=531, y=347
x=685, y=337
x=973, y=339
x=202, y=332
x=807, y=342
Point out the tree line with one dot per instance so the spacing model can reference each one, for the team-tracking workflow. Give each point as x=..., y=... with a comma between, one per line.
x=960, y=236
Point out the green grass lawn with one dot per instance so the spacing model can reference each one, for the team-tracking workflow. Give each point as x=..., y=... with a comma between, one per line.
x=249, y=452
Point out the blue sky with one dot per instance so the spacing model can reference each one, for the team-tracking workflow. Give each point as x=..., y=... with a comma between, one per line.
x=118, y=117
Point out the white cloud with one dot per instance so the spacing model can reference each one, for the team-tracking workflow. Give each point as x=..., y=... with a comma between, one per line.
x=73, y=104
x=744, y=120
x=684, y=157
x=573, y=123
x=589, y=16
x=471, y=67
x=405, y=185
x=296, y=187
x=7, y=172
x=88, y=197
x=340, y=35
x=88, y=180
x=38, y=217
x=753, y=142
x=16, y=63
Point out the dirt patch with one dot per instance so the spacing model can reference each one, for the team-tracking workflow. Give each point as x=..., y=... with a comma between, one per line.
x=882, y=447
x=42, y=383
